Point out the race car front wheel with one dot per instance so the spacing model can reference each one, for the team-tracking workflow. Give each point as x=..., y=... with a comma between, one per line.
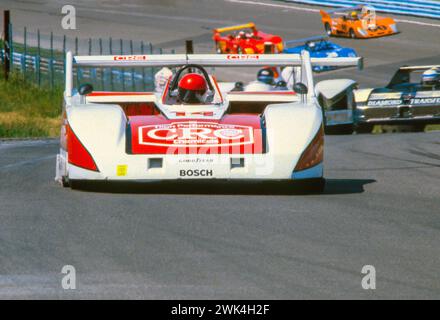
x=328, y=29
x=339, y=129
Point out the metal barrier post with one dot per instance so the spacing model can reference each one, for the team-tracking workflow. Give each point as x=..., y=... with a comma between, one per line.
x=121, y=70
x=51, y=64
x=151, y=68
x=7, y=47
x=64, y=54
x=102, y=69
x=189, y=47
x=132, y=70
x=143, y=68
x=24, y=67
x=38, y=58
x=111, y=69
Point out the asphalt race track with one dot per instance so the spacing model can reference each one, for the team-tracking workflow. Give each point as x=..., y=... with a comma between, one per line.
x=381, y=206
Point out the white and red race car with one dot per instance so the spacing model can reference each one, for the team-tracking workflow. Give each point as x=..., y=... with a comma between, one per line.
x=159, y=136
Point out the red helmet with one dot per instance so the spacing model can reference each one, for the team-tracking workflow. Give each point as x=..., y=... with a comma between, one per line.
x=192, y=87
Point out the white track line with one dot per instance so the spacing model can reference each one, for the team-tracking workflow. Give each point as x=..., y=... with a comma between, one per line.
x=418, y=23
x=283, y=6
x=273, y=5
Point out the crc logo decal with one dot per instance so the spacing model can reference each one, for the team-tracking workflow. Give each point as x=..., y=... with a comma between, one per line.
x=242, y=57
x=195, y=134
x=196, y=173
x=130, y=58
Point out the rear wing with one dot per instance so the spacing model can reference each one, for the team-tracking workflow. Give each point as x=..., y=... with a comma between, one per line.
x=403, y=74
x=305, y=40
x=208, y=60
x=249, y=25
x=342, y=10
x=419, y=68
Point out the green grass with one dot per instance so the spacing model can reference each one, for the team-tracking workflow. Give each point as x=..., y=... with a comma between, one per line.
x=27, y=111
x=433, y=127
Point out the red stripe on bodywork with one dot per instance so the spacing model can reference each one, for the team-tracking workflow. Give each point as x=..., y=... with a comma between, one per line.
x=78, y=155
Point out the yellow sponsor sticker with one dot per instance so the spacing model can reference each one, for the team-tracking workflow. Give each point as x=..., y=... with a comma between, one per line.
x=121, y=170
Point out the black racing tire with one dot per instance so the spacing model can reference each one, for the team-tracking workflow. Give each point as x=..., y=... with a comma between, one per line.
x=218, y=50
x=343, y=129
x=404, y=128
x=364, y=128
x=418, y=128
x=351, y=34
x=65, y=182
x=328, y=29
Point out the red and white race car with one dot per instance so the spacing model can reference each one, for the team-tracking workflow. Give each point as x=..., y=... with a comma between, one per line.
x=192, y=130
x=247, y=39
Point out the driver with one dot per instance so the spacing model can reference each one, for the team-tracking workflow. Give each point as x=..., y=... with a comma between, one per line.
x=264, y=83
x=354, y=15
x=266, y=75
x=242, y=35
x=311, y=45
x=192, y=88
x=431, y=77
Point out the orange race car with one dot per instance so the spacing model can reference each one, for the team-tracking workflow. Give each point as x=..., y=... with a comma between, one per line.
x=357, y=22
x=245, y=39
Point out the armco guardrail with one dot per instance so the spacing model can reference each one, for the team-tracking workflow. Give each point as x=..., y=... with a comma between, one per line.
x=40, y=59
x=420, y=8
x=54, y=68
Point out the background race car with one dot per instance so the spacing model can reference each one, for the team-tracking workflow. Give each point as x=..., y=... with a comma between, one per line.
x=335, y=97
x=319, y=47
x=411, y=98
x=357, y=22
x=245, y=38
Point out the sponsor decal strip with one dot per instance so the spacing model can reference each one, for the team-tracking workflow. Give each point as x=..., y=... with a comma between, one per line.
x=413, y=101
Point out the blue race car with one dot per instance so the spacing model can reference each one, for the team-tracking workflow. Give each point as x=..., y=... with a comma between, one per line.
x=319, y=47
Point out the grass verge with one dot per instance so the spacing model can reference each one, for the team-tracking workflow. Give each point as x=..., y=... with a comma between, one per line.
x=27, y=111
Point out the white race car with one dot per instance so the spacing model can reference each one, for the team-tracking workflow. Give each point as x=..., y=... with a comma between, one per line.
x=192, y=130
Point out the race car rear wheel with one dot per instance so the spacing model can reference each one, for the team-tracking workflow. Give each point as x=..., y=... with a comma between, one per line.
x=364, y=128
x=65, y=182
x=352, y=34
x=340, y=129
x=328, y=29
x=418, y=128
x=218, y=50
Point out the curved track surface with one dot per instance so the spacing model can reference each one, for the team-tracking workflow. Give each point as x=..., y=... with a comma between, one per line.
x=380, y=208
